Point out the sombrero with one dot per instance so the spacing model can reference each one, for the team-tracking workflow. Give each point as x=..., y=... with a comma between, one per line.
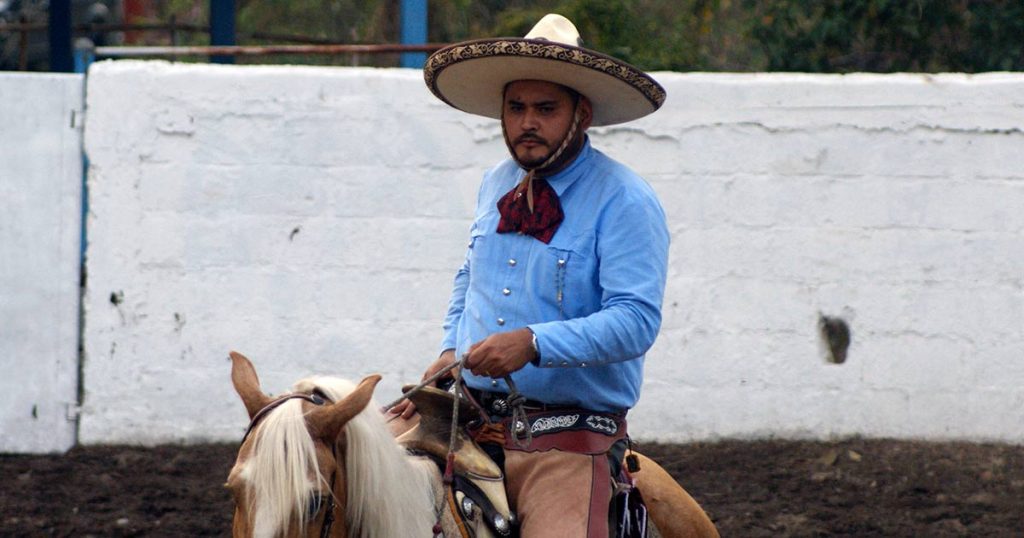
x=472, y=75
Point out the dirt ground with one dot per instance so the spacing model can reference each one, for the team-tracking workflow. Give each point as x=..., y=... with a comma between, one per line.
x=750, y=489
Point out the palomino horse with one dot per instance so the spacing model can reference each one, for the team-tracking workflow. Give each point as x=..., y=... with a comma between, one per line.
x=321, y=462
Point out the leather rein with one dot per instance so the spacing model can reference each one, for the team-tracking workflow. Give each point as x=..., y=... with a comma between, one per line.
x=515, y=400
x=315, y=399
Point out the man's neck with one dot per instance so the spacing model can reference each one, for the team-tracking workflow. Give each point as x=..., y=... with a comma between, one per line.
x=569, y=156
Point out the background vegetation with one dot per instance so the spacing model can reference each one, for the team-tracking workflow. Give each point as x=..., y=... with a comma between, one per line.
x=826, y=36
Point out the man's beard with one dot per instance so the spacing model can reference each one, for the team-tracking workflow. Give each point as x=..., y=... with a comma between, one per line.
x=536, y=161
x=566, y=157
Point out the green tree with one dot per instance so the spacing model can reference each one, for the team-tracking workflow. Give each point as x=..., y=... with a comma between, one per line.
x=829, y=36
x=887, y=35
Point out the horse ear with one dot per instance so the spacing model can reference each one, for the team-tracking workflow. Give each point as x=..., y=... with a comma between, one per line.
x=247, y=384
x=327, y=421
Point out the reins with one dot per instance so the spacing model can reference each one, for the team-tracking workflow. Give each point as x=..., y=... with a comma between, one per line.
x=519, y=422
x=515, y=400
x=428, y=381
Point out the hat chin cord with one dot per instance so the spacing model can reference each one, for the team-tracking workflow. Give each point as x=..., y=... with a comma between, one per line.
x=531, y=173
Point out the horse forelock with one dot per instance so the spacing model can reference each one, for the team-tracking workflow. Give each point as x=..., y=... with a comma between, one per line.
x=278, y=471
x=387, y=494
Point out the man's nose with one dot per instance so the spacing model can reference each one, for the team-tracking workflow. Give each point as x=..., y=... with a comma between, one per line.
x=530, y=120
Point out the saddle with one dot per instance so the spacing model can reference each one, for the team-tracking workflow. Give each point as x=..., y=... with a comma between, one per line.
x=475, y=495
x=477, y=488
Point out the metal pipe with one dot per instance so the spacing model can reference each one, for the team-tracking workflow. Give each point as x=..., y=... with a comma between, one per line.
x=262, y=50
x=106, y=27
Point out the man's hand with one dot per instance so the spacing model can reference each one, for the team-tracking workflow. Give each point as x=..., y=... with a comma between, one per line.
x=501, y=354
x=406, y=408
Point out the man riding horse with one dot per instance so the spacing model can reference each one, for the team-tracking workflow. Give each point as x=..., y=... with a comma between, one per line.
x=564, y=276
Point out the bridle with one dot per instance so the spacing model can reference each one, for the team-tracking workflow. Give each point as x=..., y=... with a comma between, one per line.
x=315, y=398
x=325, y=529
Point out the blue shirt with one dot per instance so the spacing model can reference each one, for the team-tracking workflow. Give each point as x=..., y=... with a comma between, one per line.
x=592, y=295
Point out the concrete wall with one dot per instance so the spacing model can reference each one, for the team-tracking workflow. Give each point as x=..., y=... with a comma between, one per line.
x=312, y=219
x=40, y=239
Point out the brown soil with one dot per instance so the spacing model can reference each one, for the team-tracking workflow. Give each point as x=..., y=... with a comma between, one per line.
x=750, y=489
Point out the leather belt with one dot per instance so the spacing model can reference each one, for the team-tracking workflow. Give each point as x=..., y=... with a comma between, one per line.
x=566, y=428
x=496, y=403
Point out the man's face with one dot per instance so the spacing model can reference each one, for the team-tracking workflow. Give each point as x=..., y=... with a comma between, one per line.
x=537, y=115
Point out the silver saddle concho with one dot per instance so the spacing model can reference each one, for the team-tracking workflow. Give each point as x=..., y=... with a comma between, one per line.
x=475, y=500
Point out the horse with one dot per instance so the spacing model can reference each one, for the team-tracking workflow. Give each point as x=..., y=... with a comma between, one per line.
x=320, y=461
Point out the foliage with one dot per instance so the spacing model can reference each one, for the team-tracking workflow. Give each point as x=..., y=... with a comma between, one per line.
x=685, y=35
x=888, y=35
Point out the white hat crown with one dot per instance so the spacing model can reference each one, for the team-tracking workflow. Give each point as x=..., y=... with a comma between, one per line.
x=556, y=28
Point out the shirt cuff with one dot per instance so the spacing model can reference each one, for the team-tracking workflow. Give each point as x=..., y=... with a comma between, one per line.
x=447, y=343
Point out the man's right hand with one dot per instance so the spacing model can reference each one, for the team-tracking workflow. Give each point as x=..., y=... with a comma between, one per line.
x=406, y=408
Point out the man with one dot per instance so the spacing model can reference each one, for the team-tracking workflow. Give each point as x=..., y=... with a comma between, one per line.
x=565, y=272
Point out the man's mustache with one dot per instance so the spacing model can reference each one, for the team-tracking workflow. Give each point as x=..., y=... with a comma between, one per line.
x=531, y=138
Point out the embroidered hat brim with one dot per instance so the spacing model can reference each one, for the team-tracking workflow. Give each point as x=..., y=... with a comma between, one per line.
x=472, y=75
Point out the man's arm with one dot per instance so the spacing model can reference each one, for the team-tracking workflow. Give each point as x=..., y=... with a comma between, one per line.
x=456, y=305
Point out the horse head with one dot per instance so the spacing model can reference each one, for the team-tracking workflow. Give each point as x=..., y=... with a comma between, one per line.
x=296, y=465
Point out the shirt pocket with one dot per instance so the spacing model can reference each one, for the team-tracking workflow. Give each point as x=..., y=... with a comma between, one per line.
x=476, y=248
x=484, y=225
x=573, y=276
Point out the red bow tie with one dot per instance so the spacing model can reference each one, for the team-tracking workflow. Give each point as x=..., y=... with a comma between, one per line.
x=541, y=220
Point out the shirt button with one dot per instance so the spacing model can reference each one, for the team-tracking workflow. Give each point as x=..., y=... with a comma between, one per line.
x=501, y=321
x=583, y=365
x=561, y=263
x=506, y=291
x=512, y=262
x=565, y=363
x=494, y=382
x=551, y=363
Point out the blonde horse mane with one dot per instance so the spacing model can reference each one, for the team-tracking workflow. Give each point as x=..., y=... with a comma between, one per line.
x=388, y=494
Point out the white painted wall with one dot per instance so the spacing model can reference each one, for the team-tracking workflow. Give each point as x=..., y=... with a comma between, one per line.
x=312, y=218
x=40, y=239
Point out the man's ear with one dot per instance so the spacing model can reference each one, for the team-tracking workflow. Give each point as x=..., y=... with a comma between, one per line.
x=586, y=113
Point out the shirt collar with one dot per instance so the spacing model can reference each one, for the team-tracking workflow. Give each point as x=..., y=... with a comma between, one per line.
x=567, y=176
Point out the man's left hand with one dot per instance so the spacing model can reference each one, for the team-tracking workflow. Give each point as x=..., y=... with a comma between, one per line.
x=501, y=354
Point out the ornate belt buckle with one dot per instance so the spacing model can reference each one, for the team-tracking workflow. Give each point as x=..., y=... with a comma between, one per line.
x=499, y=406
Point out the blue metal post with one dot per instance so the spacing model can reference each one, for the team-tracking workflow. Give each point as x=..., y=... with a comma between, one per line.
x=414, y=31
x=222, y=28
x=84, y=57
x=83, y=246
x=60, y=36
